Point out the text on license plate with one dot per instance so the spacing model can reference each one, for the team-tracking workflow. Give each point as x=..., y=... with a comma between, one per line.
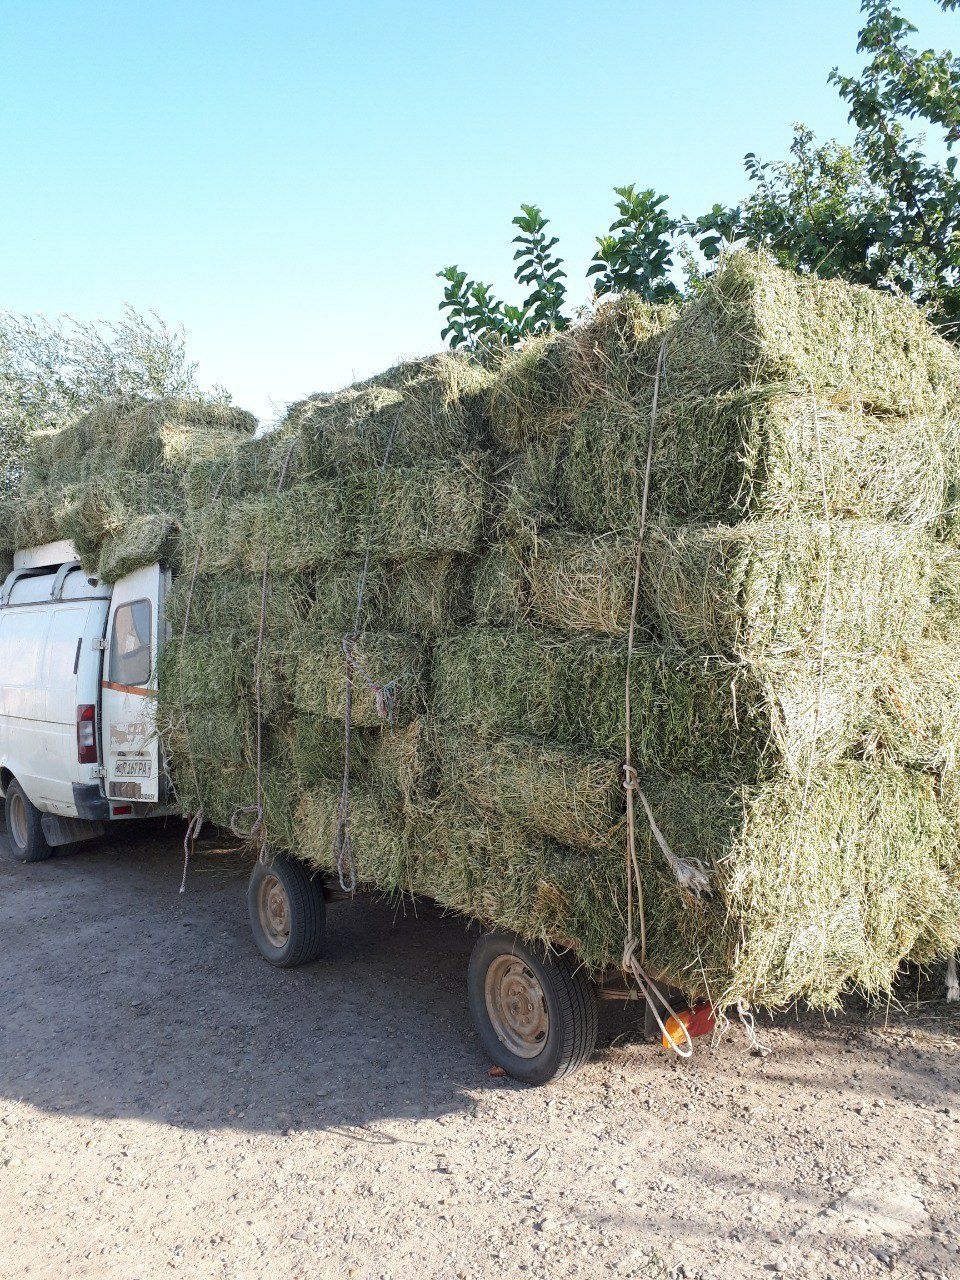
x=133, y=768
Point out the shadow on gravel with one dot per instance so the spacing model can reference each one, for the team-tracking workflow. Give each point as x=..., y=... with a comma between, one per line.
x=121, y=997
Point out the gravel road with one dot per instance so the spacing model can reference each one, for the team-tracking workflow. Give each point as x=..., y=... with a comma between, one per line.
x=171, y=1104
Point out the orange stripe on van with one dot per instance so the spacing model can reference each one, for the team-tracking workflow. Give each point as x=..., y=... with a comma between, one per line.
x=128, y=688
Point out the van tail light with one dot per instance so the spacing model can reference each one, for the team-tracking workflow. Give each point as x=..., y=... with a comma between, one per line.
x=87, y=734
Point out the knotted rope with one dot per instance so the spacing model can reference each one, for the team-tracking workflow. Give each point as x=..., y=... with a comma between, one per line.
x=195, y=825
x=257, y=831
x=385, y=695
x=690, y=872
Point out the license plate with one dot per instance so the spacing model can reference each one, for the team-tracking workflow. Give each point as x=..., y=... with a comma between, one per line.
x=133, y=769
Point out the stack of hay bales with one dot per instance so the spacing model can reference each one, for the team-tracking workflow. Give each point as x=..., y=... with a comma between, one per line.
x=795, y=718
x=112, y=482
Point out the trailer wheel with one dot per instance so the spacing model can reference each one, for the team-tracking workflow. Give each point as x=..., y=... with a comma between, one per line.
x=287, y=912
x=536, y=1012
x=24, y=829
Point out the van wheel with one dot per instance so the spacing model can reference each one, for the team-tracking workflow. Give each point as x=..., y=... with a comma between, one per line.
x=287, y=912
x=535, y=1010
x=24, y=830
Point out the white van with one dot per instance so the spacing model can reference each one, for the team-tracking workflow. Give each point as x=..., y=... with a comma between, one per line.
x=78, y=690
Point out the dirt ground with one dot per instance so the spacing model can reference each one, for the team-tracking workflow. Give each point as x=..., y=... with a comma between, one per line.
x=171, y=1104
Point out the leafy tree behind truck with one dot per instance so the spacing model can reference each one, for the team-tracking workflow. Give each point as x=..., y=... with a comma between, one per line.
x=883, y=210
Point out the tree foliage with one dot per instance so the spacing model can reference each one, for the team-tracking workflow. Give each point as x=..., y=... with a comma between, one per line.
x=478, y=320
x=637, y=252
x=52, y=370
x=882, y=209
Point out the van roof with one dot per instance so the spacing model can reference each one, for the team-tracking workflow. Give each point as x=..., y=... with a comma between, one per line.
x=44, y=586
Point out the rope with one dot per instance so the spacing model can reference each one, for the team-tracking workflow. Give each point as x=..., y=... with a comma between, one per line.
x=257, y=832
x=824, y=616
x=690, y=873
x=385, y=695
x=195, y=825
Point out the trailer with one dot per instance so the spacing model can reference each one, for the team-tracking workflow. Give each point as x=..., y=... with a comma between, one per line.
x=79, y=750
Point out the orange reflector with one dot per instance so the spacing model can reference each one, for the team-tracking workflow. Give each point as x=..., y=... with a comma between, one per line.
x=699, y=1021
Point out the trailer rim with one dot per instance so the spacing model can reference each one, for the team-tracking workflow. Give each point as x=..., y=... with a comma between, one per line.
x=273, y=910
x=516, y=1006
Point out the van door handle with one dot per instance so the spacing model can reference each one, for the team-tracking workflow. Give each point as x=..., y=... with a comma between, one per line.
x=76, y=660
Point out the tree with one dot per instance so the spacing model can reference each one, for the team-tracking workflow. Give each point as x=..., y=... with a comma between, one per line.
x=52, y=370
x=882, y=210
x=637, y=253
x=478, y=320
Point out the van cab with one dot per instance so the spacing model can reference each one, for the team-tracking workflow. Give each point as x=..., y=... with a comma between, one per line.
x=78, y=690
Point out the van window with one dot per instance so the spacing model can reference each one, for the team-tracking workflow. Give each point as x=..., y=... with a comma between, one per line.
x=21, y=638
x=130, y=661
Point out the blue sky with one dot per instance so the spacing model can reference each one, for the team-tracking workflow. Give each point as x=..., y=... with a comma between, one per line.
x=285, y=178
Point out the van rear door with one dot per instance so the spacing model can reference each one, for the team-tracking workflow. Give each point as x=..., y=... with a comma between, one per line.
x=129, y=688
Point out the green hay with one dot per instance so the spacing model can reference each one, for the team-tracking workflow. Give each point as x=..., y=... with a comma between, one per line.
x=403, y=765
x=917, y=718
x=796, y=719
x=416, y=513
x=707, y=717
x=381, y=660
x=424, y=597
x=541, y=387
x=317, y=750
x=763, y=588
x=378, y=839
x=244, y=466
x=424, y=410
x=143, y=436
x=574, y=797
x=394, y=764
x=142, y=541
x=766, y=452
x=872, y=884
x=499, y=587
x=818, y=890
x=755, y=323
x=751, y=589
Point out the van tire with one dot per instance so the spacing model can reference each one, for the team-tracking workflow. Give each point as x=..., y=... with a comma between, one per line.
x=288, y=912
x=24, y=829
x=535, y=1009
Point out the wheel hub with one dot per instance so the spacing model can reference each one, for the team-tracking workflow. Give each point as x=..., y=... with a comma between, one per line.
x=18, y=819
x=273, y=908
x=517, y=1006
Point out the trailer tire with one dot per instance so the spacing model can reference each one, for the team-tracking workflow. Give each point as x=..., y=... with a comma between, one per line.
x=535, y=1009
x=24, y=827
x=287, y=910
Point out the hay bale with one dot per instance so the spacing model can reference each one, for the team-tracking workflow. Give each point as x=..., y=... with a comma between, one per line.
x=378, y=839
x=316, y=744
x=917, y=718
x=540, y=388
x=707, y=717
x=424, y=597
x=763, y=587
x=755, y=323
x=818, y=890
x=385, y=666
x=424, y=410
x=742, y=589
x=415, y=513
x=498, y=589
x=403, y=766
x=143, y=541
x=135, y=435
x=772, y=450
x=573, y=796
